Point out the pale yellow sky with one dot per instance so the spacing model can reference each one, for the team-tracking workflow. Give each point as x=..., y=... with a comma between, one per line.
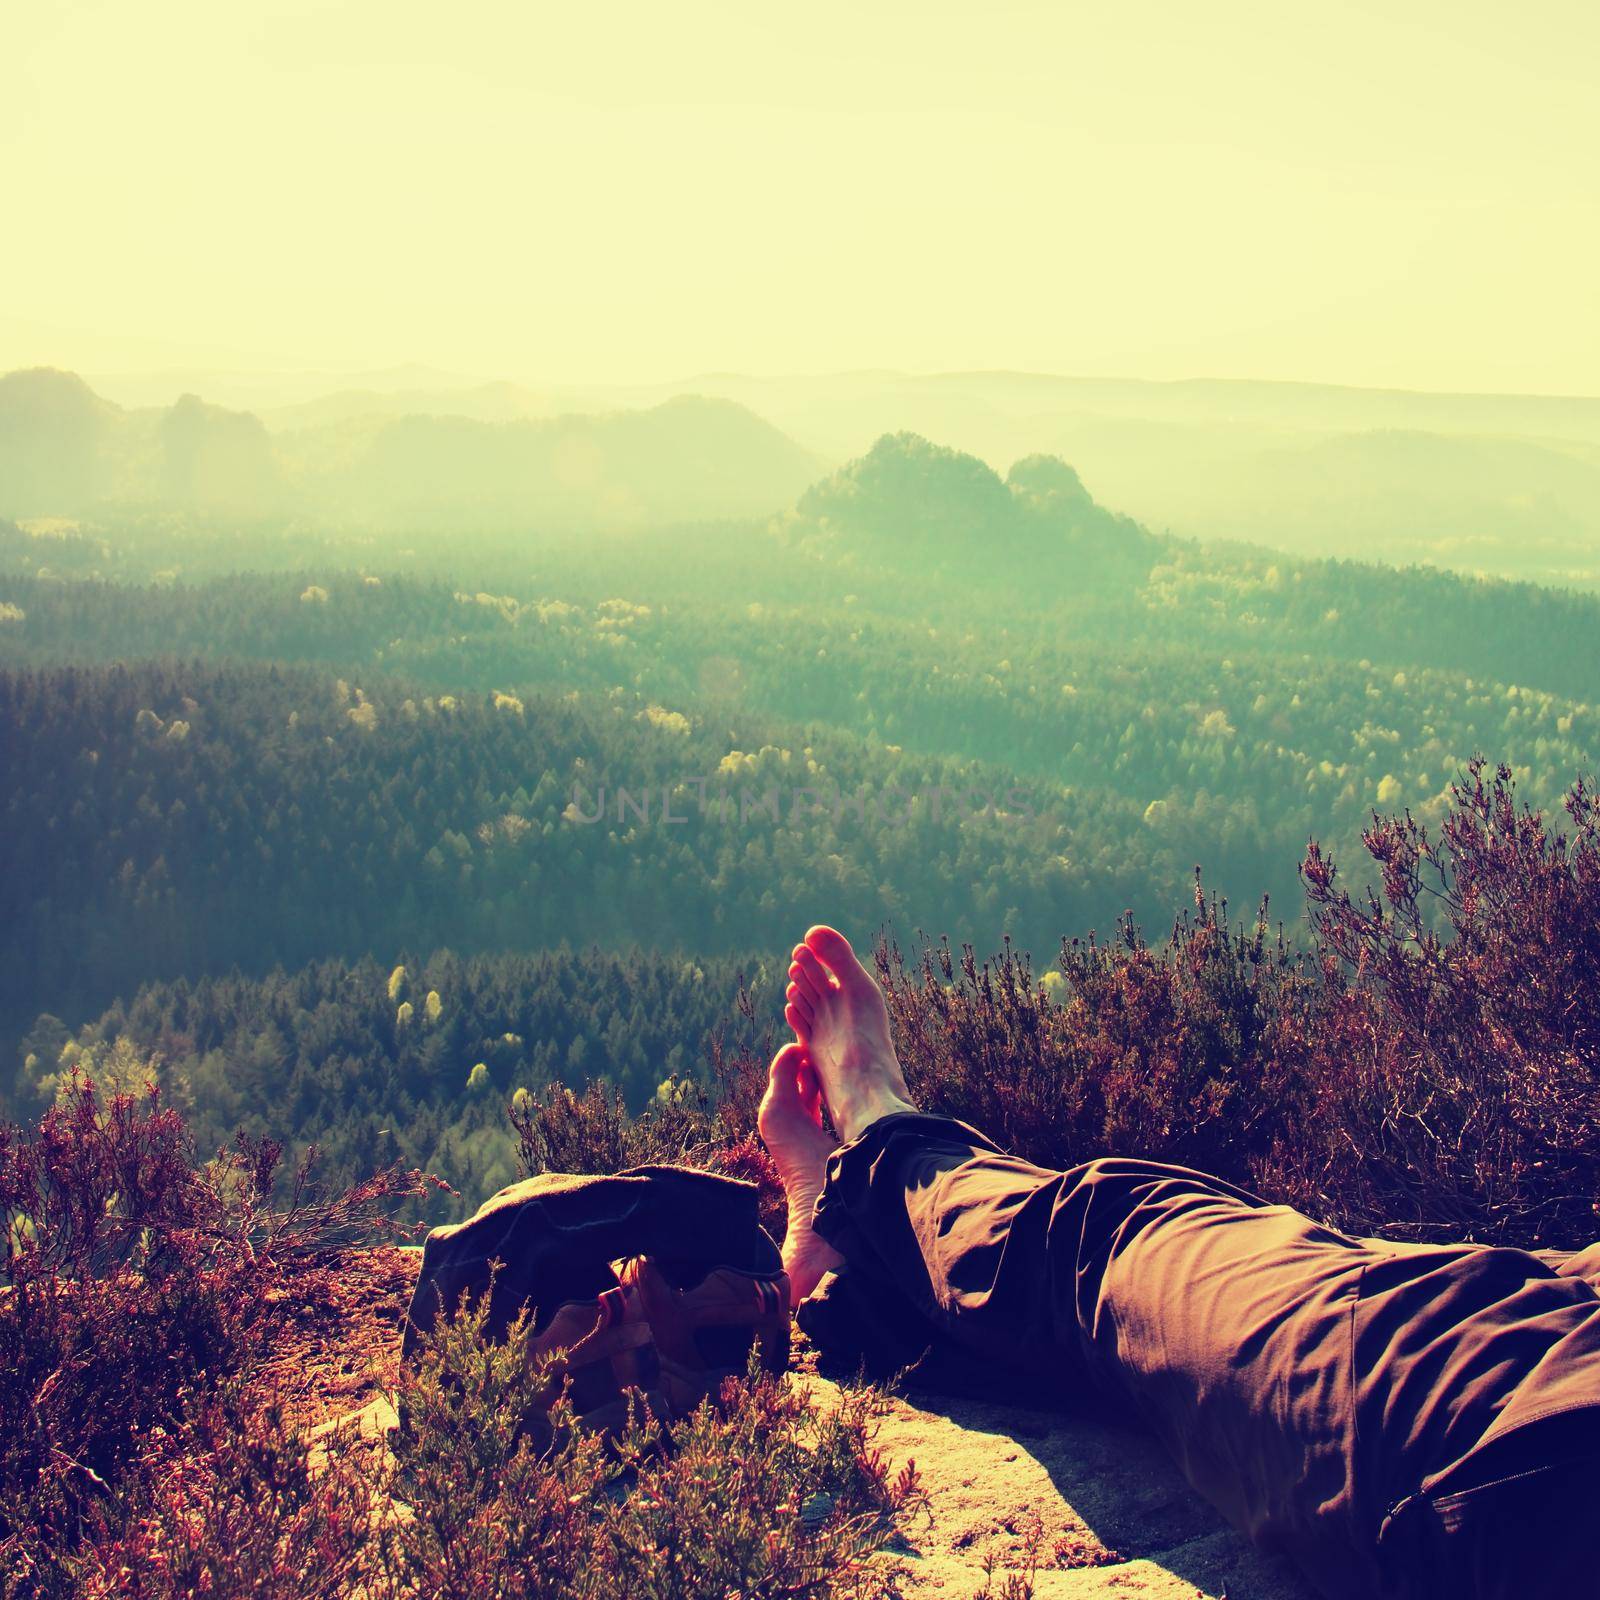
x=1401, y=193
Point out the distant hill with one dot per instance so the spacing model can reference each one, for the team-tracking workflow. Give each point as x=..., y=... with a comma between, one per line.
x=484, y=402
x=216, y=459
x=1506, y=484
x=907, y=500
x=840, y=413
x=1499, y=484
x=1002, y=414
x=686, y=459
x=1501, y=504
x=54, y=432
x=64, y=451
x=271, y=391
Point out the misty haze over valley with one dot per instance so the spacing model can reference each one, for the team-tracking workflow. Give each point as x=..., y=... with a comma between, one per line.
x=1507, y=485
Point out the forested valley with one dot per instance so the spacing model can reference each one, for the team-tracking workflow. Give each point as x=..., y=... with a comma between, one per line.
x=360, y=842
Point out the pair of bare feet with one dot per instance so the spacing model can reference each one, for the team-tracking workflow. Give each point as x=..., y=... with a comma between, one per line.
x=842, y=1061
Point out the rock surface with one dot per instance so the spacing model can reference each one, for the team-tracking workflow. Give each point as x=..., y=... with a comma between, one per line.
x=1107, y=1512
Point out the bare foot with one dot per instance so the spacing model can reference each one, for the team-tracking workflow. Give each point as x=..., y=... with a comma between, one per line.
x=837, y=1012
x=790, y=1122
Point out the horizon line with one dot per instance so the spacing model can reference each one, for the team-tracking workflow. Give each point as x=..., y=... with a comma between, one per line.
x=347, y=379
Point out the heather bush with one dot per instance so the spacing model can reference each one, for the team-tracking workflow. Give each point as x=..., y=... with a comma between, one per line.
x=1429, y=1067
x=564, y=1130
x=763, y=1494
x=482, y=1510
x=1456, y=1088
x=231, y=1503
x=1123, y=1048
x=136, y=1283
x=1017, y=1585
x=144, y=1451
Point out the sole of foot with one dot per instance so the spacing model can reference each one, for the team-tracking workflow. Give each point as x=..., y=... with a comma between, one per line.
x=789, y=1121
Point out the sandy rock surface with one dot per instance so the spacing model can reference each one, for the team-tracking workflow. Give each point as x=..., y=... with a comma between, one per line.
x=1114, y=1517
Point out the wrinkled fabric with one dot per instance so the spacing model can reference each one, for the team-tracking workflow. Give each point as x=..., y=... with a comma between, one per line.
x=1397, y=1420
x=551, y=1238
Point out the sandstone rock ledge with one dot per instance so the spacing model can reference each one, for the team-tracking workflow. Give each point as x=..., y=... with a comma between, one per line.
x=1114, y=1517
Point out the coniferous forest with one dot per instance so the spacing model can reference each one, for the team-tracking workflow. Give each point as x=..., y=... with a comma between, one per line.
x=359, y=845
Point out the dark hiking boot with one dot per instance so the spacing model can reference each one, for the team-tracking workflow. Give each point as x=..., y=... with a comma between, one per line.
x=705, y=1323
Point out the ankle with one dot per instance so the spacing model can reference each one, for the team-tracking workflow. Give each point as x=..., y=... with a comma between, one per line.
x=855, y=1118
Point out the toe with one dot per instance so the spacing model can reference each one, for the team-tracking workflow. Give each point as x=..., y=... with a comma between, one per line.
x=784, y=1076
x=833, y=950
x=805, y=982
x=801, y=1026
x=816, y=974
x=802, y=1000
